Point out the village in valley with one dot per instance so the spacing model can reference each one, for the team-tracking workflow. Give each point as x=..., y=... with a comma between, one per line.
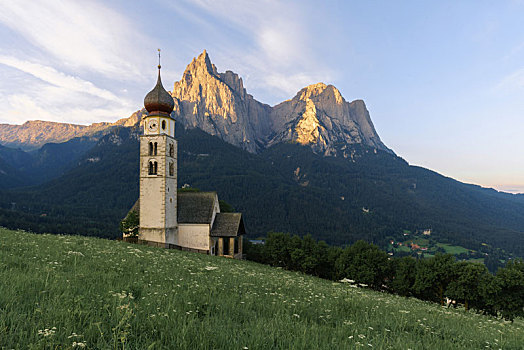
x=420, y=243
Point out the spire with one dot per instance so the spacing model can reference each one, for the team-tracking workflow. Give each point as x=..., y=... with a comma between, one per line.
x=159, y=100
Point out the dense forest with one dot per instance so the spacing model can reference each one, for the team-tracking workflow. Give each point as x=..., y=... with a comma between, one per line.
x=365, y=194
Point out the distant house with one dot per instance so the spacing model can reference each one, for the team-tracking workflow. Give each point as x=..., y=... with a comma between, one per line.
x=427, y=232
x=414, y=246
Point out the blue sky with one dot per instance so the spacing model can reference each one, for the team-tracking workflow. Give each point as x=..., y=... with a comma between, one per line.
x=443, y=80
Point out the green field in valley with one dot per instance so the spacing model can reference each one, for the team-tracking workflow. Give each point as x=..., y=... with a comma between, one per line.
x=64, y=292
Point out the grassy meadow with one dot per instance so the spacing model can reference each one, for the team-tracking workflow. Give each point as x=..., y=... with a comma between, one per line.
x=64, y=292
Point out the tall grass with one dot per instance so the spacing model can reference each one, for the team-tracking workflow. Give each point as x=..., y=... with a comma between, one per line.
x=64, y=292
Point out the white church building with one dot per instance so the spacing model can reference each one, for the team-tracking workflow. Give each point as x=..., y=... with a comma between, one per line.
x=168, y=216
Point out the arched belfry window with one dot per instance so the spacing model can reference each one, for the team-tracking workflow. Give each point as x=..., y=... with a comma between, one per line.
x=153, y=167
x=156, y=147
x=163, y=125
x=150, y=148
x=171, y=169
x=171, y=150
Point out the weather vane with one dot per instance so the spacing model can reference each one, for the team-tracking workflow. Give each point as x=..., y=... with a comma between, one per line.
x=159, y=59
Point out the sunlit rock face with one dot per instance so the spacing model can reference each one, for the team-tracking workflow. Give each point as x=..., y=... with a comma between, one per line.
x=319, y=116
x=218, y=104
x=36, y=133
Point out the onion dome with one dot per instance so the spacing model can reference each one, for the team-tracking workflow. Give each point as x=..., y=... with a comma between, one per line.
x=159, y=100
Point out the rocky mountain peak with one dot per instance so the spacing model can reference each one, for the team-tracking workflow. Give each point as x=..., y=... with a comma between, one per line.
x=200, y=66
x=319, y=116
x=218, y=104
x=319, y=90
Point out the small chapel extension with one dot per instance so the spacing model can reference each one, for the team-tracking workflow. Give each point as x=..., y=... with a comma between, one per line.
x=169, y=217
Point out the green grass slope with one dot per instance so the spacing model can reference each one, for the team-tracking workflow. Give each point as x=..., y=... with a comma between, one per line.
x=64, y=292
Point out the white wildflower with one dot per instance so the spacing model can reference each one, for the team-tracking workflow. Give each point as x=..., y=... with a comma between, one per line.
x=47, y=332
x=346, y=280
x=74, y=253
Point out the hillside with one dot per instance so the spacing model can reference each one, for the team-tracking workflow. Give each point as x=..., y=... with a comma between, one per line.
x=368, y=195
x=48, y=162
x=67, y=291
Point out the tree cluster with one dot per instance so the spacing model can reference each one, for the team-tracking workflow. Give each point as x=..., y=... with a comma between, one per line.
x=433, y=279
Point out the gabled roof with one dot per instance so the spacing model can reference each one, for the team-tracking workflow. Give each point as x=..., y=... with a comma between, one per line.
x=228, y=225
x=198, y=207
x=195, y=207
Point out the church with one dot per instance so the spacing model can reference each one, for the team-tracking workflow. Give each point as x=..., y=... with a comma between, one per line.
x=170, y=217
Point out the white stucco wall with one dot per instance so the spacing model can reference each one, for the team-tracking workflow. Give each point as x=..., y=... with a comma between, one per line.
x=151, y=202
x=195, y=236
x=158, y=195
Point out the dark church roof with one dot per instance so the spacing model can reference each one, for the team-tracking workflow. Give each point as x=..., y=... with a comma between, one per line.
x=195, y=207
x=228, y=225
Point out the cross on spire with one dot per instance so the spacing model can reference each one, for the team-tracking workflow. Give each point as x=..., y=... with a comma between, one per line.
x=159, y=66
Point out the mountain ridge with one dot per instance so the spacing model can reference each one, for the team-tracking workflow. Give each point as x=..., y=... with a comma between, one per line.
x=218, y=103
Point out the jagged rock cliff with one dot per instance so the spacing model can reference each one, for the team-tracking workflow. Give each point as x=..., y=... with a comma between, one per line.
x=319, y=116
x=218, y=104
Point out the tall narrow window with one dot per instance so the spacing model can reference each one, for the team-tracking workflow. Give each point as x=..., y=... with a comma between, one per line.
x=163, y=125
x=153, y=167
x=171, y=150
x=156, y=147
x=150, y=148
x=171, y=169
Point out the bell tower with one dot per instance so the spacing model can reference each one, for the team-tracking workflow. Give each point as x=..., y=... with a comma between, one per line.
x=158, y=168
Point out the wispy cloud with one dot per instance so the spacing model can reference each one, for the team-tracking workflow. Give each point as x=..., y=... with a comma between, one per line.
x=48, y=94
x=59, y=79
x=59, y=49
x=512, y=81
x=46, y=102
x=79, y=35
